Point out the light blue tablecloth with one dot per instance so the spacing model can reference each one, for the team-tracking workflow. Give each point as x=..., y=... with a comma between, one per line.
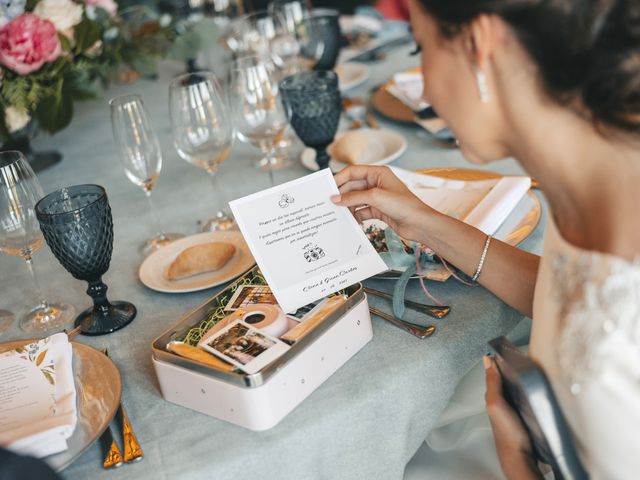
x=365, y=422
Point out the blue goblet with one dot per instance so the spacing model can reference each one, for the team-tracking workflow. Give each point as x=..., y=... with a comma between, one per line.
x=313, y=105
x=77, y=225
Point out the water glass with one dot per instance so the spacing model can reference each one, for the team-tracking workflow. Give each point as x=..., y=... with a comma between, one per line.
x=78, y=227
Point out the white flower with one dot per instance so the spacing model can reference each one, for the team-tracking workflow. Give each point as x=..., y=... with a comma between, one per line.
x=165, y=20
x=15, y=119
x=64, y=14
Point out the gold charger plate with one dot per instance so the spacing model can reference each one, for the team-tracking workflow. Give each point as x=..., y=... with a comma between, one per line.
x=389, y=106
x=98, y=393
x=523, y=228
x=516, y=228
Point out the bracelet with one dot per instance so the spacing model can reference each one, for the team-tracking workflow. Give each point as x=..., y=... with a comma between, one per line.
x=482, y=257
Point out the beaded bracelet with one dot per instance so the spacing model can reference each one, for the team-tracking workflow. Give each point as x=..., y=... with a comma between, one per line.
x=482, y=257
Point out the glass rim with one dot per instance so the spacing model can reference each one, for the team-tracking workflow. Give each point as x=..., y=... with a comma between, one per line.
x=18, y=156
x=284, y=83
x=42, y=214
x=120, y=99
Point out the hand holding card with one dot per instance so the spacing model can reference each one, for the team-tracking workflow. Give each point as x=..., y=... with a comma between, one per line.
x=306, y=246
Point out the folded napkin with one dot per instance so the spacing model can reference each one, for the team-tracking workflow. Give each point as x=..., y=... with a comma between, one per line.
x=407, y=87
x=37, y=397
x=484, y=204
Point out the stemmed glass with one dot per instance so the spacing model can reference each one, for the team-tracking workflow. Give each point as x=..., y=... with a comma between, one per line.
x=313, y=104
x=21, y=236
x=78, y=227
x=256, y=107
x=295, y=20
x=202, y=131
x=328, y=24
x=141, y=156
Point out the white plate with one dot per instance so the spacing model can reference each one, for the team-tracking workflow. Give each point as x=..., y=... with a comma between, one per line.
x=152, y=270
x=394, y=145
x=98, y=392
x=351, y=74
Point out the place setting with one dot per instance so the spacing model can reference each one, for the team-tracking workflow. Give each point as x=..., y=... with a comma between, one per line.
x=59, y=395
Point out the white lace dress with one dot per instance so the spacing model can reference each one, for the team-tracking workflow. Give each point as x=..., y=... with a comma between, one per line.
x=586, y=336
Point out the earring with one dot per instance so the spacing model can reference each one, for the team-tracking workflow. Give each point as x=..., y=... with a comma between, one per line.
x=483, y=87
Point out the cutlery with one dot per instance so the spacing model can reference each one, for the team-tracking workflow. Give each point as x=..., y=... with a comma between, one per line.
x=434, y=311
x=112, y=456
x=132, y=449
x=415, y=330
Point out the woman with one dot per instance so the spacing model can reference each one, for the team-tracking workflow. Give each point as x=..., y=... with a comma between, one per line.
x=555, y=84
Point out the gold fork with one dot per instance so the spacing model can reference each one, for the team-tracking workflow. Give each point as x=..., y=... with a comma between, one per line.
x=132, y=449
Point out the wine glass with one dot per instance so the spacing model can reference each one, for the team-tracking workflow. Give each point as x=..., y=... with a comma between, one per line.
x=202, y=131
x=256, y=107
x=295, y=20
x=21, y=236
x=141, y=156
x=78, y=227
x=313, y=104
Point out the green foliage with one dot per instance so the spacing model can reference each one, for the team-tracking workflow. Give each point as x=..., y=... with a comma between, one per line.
x=101, y=48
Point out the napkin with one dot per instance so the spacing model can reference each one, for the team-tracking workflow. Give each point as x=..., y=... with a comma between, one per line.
x=484, y=204
x=407, y=87
x=37, y=397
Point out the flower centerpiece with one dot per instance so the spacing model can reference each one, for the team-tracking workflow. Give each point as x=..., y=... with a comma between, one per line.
x=55, y=52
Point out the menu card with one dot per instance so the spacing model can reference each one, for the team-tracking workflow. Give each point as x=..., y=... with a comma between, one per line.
x=37, y=397
x=306, y=246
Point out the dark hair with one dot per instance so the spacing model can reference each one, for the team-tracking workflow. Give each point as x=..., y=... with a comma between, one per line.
x=584, y=49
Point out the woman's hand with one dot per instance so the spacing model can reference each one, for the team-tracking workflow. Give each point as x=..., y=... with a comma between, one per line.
x=512, y=441
x=375, y=192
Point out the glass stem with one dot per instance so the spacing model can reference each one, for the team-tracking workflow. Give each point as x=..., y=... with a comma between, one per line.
x=322, y=158
x=42, y=302
x=271, y=153
x=212, y=171
x=98, y=292
x=154, y=215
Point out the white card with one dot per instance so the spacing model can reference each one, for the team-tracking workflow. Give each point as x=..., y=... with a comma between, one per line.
x=306, y=246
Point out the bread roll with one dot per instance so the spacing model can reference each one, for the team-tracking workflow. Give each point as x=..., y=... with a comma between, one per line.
x=204, y=257
x=357, y=146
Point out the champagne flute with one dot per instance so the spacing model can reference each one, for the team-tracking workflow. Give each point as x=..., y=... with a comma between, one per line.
x=140, y=154
x=202, y=131
x=20, y=235
x=256, y=107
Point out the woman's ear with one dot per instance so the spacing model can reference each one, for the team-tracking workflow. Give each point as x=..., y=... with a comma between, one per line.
x=480, y=41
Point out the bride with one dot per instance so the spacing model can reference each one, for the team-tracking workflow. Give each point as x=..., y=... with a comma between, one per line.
x=555, y=84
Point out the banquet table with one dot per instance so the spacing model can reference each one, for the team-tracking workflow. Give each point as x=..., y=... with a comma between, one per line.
x=364, y=422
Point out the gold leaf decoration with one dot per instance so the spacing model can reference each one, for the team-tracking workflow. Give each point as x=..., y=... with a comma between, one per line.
x=40, y=358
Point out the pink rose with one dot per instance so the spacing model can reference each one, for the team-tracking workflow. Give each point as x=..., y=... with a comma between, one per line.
x=110, y=6
x=27, y=42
